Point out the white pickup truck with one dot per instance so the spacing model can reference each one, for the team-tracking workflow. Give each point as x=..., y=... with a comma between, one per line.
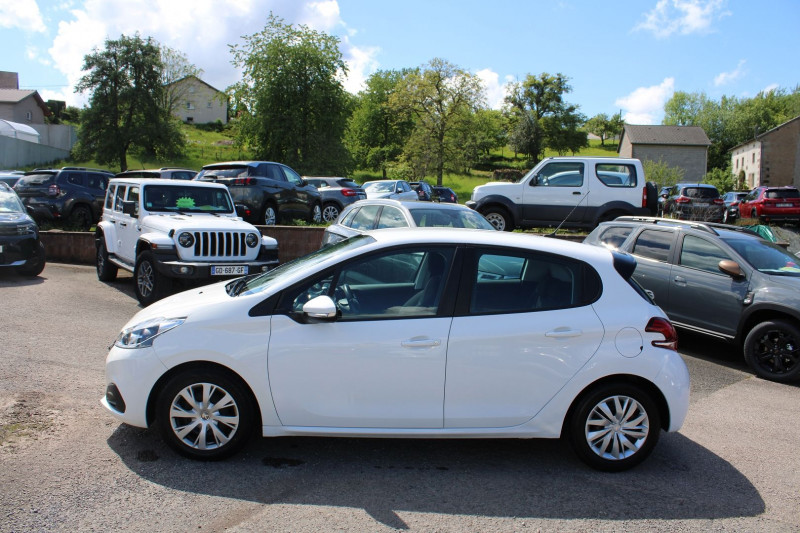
x=165, y=230
x=569, y=192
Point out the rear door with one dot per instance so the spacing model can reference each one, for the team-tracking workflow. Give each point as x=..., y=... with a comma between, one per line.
x=556, y=193
x=653, y=249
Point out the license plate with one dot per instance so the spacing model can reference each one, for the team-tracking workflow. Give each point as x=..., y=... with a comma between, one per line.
x=784, y=205
x=229, y=270
x=702, y=204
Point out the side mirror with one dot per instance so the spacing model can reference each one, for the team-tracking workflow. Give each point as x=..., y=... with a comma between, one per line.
x=320, y=308
x=535, y=180
x=129, y=208
x=242, y=211
x=731, y=268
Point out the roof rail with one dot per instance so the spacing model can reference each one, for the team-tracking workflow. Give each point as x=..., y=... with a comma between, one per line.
x=709, y=227
x=86, y=168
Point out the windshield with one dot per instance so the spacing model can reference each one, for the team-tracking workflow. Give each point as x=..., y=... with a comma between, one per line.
x=261, y=282
x=9, y=203
x=449, y=218
x=187, y=199
x=766, y=257
x=379, y=186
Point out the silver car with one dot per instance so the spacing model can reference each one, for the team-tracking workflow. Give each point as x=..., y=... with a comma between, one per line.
x=394, y=189
x=337, y=193
x=368, y=214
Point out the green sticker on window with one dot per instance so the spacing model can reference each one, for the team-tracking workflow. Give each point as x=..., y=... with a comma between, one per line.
x=184, y=203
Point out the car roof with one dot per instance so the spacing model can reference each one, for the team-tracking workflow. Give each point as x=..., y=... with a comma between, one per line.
x=713, y=228
x=237, y=164
x=161, y=181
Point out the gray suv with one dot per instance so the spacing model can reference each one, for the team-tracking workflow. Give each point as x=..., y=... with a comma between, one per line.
x=718, y=280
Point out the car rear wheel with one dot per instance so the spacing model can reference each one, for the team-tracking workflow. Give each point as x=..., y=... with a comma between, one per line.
x=81, y=217
x=330, y=212
x=106, y=270
x=205, y=415
x=150, y=286
x=772, y=349
x=614, y=427
x=499, y=218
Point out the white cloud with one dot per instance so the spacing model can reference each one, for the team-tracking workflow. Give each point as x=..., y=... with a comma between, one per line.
x=22, y=14
x=725, y=78
x=495, y=91
x=361, y=63
x=771, y=87
x=646, y=104
x=682, y=16
x=321, y=16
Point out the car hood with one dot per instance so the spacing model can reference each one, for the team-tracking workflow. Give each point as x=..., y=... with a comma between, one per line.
x=14, y=218
x=184, y=304
x=373, y=195
x=783, y=283
x=196, y=221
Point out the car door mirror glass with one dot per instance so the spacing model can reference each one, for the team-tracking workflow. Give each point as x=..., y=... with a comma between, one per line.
x=129, y=208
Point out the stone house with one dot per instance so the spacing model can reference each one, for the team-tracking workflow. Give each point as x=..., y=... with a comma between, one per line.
x=685, y=147
x=772, y=158
x=196, y=102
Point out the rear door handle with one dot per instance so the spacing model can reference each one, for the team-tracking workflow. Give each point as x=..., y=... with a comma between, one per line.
x=576, y=192
x=563, y=333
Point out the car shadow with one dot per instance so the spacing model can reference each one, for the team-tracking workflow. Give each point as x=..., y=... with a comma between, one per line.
x=496, y=478
x=10, y=276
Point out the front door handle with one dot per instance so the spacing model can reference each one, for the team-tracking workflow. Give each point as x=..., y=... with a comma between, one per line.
x=680, y=280
x=421, y=343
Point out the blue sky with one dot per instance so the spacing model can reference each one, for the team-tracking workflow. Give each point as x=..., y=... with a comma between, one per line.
x=623, y=55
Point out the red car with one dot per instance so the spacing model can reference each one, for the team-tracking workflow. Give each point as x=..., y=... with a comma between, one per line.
x=772, y=204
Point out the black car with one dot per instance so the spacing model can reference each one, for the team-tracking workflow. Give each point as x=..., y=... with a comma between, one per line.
x=718, y=280
x=424, y=191
x=70, y=194
x=694, y=201
x=20, y=247
x=167, y=173
x=445, y=194
x=731, y=201
x=268, y=191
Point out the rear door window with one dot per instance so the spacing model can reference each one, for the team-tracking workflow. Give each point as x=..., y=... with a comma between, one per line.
x=616, y=175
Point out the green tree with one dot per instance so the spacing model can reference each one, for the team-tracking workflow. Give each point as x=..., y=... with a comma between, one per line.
x=437, y=95
x=291, y=103
x=599, y=125
x=538, y=103
x=125, y=106
x=375, y=133
x=661, y=173
x=722, y=179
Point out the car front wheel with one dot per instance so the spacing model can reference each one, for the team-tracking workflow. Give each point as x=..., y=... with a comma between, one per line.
x=205, y=415
x=499, y=218
x=614, y=427
x=772, y=349
x=150, y=286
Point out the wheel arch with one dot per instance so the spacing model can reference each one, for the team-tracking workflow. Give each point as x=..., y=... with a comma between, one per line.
x=207, y=366
x=624, y=379
x=762, y=314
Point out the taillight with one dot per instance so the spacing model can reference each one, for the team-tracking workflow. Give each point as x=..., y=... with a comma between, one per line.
x=683, y=200
x=665, y=328
x=244, y=181
x=53, y=190
x=644, y=197
x=718, y=201
x=349, y=192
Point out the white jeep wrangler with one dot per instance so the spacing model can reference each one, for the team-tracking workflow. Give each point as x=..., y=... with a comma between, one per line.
x=164, y=230
x=570, y=192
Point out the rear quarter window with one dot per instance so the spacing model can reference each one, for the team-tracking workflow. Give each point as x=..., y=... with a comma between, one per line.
x=612, y=175
x=653, y=244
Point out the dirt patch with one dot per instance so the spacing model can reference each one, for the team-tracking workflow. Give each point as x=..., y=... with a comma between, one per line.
x=23, y=417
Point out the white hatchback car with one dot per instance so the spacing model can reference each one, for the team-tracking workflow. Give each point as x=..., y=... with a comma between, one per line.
x=537, y=337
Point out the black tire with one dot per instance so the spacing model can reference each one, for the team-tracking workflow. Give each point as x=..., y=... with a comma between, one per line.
x=621, y=434
x=498, y=217
x=652, y=197
x=270, y=215
x=81, y=217
x=772, y=349
x=727, y=218
x=34, y=266
x=315, y=216
x=211, y=431
x=150, y=286
x=106, y=270
x=330, y=212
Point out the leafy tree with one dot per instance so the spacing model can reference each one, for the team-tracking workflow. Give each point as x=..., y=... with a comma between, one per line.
x=541, y=113
x=661, y=173
x=125, y=107
x=437, y=95
x=375, y=133
x=604, y=126
x=722, y=179
x=291, y=103
x=474, y=135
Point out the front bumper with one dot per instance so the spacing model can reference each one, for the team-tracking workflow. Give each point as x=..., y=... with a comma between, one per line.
x=170, y=265
x=18, y=250
x=130, y=377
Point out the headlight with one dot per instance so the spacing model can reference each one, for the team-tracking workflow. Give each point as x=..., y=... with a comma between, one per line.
x=252, y=240
x=142, y=335
x=186, y=239
x=27, y=229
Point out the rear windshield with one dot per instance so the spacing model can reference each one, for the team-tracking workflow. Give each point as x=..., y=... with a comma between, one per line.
x=782, y=193
x=347, y=183
x=35, y=179
x=225, y=172
x=700, y=192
